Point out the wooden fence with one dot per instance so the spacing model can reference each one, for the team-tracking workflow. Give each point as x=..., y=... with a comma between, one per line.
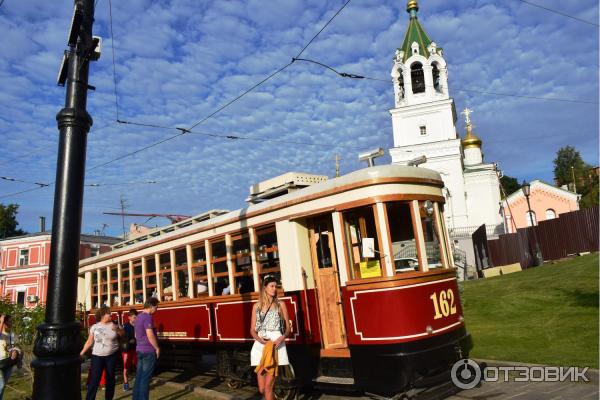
x=571, y=233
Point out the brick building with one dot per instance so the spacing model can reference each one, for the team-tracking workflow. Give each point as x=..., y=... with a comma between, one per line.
x=24, y=264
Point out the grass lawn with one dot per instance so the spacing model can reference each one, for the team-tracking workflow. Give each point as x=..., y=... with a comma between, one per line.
x=543, y=315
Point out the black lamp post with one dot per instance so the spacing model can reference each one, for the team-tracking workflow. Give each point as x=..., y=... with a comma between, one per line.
x=526, y=188
x=57, y=369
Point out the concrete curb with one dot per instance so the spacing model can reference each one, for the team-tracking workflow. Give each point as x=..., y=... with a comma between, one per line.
x=208, y=394
x=592, y=374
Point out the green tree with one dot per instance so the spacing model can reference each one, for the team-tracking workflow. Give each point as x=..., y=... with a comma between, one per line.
x=568, y=161
x=8, y=221
x=589, y=192
x=509, y=184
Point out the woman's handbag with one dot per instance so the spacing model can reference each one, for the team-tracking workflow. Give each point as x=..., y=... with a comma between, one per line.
x=8, y=362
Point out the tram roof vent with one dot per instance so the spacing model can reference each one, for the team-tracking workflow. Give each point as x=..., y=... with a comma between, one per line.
x=281, y=185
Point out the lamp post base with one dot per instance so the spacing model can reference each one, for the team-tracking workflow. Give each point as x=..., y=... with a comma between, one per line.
x=57, y=368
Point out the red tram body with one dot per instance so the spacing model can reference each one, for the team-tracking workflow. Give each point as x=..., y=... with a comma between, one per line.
x=366, y=270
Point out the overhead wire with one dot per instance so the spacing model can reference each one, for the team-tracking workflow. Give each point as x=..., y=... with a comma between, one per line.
x=559, y=13
x=219, y=109
x=357, y=76
x=112, y=45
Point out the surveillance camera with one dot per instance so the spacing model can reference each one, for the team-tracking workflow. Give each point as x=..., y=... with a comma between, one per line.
x=368, y=156
x=417, y=161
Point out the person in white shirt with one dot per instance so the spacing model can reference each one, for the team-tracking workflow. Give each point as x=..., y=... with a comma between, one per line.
x=9, y=355
x=104, y=337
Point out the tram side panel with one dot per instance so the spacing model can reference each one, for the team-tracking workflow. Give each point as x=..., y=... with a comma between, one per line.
x=400, y=335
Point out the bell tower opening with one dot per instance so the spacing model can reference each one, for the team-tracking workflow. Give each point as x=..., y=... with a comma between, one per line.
x=417, y=77
x=436, y=77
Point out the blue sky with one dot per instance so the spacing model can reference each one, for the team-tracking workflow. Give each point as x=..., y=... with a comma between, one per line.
x=177, y=61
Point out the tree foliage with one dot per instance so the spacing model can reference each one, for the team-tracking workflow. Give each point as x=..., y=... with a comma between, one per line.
x=509, y=184
x=566, y=158
x=8, y=221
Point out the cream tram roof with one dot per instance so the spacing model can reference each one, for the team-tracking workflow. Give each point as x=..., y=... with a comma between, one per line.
x=415, y=177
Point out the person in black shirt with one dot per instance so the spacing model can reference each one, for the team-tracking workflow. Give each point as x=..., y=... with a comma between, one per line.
x=128, y=347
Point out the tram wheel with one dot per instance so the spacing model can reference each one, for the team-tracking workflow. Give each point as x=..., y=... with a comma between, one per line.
x=287, y=372
x=234, y=384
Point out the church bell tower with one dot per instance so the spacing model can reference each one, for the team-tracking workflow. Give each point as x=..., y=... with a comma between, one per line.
x=424, y=115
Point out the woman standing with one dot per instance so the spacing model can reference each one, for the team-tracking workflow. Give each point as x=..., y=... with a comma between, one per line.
x=8, y=353
x=267, y=316
x=104, y=339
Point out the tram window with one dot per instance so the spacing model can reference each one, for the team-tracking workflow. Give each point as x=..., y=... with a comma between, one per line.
x=150, y=277
x=359, y=223
x=199, y=274
x=242, y=264
x=181, y=272
x=125, y=300
x=430, y=234
x=402, y=235
x=165, y=277
x=94, y=289
x=268, y=253
x=220, y=270
x=103, y=286
x=323, y=241
x=114, y=285
x=138, y=284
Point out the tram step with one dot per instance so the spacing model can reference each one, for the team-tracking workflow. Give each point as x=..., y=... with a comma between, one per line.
x=334, y=380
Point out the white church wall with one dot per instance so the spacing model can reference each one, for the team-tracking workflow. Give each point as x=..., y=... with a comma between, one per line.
x=437, y=118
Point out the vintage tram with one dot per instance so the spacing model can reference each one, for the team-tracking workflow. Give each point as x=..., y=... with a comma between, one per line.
x=366, y=272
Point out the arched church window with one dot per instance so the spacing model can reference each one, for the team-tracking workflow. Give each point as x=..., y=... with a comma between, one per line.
x=436, y=77
x=550, y=214
x=417, y=77
x=401, y=83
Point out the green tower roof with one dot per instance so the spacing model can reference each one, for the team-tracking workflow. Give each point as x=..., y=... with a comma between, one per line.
x=414, y=33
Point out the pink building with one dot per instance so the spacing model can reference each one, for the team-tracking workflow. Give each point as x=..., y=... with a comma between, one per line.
x=24, y=264
x=547, y=202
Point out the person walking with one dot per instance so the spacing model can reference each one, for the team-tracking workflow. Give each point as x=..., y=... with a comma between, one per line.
x=128, y=352
x=147, y=349
x=268, y=324
x=104, y=341
x=9, y=355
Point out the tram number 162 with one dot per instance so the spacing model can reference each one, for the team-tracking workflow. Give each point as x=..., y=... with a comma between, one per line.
x=443, y=301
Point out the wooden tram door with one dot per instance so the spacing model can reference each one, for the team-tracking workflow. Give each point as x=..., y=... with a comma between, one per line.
x=322, y=248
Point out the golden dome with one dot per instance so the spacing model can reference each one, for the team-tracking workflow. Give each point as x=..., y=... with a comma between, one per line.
x=412, y=5
x=470, y=140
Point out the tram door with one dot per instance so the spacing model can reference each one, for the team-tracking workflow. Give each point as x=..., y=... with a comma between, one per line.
x=325, y=270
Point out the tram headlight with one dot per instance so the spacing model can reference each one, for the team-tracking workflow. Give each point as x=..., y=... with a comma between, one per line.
x=429, y=329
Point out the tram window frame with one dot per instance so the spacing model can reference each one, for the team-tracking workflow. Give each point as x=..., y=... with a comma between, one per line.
x=181, y=267
x=94, y=288
x=350, y=247
x=267, y=253
x=114, y=285
x=104, y=286
x=137, y=277
x=125, y=285
x=222, y=277
x=151, y=287
x=434, y=233
x=164, y=268
x=199, y=264
x=241, y=256
x=395, y=230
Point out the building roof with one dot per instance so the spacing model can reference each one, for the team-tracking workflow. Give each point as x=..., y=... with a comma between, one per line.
x=414, y=33
x=471, y=139
x=110, y=240
x=537, y=182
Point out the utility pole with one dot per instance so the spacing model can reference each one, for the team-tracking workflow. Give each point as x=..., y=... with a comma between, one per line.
x=574, y=184
x=123, y=208
x=57, y=368
x=337, y=165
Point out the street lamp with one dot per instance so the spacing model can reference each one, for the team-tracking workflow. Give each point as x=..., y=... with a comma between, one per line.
x=526, y=188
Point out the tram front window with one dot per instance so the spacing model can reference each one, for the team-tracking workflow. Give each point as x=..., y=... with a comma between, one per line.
x=402, y=235
x=359, y=223
x=431, y=234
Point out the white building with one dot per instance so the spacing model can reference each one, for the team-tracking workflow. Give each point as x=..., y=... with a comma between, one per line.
x=423, y=122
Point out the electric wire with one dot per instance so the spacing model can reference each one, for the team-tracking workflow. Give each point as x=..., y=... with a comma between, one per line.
x=356, y=76
x=559, y=12
x=6, y=178
x=112, y=45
